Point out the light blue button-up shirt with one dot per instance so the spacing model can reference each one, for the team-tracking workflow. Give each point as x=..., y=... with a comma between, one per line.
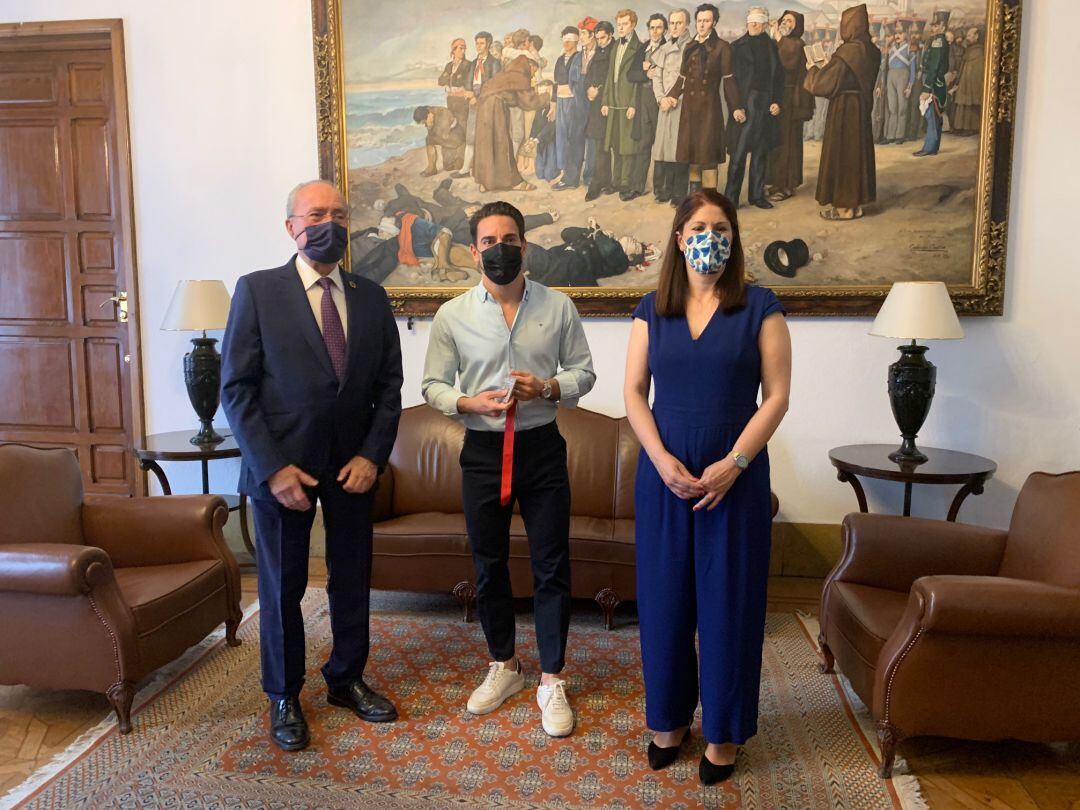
x=471, y=351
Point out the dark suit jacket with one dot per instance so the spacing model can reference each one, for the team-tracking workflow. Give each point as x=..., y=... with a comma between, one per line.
x=596, y=76
x=491, y=67
x=766, y=132
x=278, y=387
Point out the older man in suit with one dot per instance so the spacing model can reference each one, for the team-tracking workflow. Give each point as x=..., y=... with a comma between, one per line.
x=311, y=384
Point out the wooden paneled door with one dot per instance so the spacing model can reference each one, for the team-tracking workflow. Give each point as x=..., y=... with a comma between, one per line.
x=69, y=359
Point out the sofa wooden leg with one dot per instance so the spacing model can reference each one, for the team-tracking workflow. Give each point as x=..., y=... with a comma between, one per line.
x=231, y=626
x=466, y=596
x=608, y=600
x=889, y=737
x=121, y=695
x=828, y=663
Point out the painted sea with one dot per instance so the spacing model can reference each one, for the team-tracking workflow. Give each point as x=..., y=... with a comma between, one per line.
x=380, y=122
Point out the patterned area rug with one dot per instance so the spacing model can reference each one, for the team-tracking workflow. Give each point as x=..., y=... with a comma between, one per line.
x=200, y=734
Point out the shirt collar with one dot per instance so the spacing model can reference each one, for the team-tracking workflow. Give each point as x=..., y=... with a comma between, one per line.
x=484, y=296
x=309, y=276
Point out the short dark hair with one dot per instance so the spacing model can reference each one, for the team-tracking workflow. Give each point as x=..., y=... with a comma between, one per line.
x=498, y=208
x=536, y=41
x=484, y=35
x=659, y=17
x=570, y=30
x=605, y=26
x=708, y=7
x=420, y=114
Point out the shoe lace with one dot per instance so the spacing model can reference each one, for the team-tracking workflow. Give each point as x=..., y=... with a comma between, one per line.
x=558, y=696
x=492, y=676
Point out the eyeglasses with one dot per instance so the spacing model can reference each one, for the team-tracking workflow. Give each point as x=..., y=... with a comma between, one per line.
x=317, y=215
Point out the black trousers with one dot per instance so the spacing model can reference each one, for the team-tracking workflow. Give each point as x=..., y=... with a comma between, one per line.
x=601, y=168
x=283, y=538
x=750, y=142
x=670, y=180
x=541, y=486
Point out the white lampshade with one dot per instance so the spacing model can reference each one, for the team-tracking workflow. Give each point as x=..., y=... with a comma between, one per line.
x=918, y=310
x=198, y=306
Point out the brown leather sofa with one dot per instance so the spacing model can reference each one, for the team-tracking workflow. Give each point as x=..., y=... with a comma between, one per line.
x=959, y=631
x=98, y=595
x=420, y=538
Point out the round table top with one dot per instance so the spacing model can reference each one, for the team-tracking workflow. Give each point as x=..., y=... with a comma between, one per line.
x=941, y=466
x=176, y=446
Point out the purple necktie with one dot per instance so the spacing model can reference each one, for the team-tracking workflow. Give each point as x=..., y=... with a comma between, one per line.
x=333, y=333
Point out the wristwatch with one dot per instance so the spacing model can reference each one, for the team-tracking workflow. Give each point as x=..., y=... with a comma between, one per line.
x=741, y=461
x=546, y=393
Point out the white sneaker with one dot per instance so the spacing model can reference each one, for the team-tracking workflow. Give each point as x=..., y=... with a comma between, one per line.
x=556, y=716
x=500, y=684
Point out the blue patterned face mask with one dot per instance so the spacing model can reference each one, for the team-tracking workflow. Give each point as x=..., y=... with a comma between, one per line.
x=707, y=252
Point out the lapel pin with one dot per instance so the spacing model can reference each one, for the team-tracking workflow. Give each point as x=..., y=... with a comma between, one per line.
x=352, y=284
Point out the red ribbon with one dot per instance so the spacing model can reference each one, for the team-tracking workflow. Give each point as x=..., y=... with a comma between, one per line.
x=508, y=455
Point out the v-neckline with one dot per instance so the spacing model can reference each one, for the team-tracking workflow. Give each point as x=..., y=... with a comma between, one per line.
x=704, y=329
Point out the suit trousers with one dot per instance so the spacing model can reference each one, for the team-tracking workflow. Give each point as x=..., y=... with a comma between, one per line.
x=541, y=487
x=750, y=142
x=283, y=539
x=629, y=172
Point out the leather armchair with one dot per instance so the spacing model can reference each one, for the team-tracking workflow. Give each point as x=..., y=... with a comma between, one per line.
x=959, y=631
x=98, y=595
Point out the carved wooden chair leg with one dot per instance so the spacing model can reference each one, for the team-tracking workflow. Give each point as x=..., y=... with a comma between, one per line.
x=466, y=596
x=889, y=737
x=121, y=695
x=608, y=599
x=231, y=626
x=828, y=663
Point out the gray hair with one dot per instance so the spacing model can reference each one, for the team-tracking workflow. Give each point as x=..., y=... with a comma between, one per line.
x=290, y=203
x=684, y=12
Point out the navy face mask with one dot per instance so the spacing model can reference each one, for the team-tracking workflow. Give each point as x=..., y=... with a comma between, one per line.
x=501, y=262
x=326, y=242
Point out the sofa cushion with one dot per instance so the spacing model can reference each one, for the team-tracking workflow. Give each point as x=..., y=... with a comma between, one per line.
x=426, y=462
x=423, y=533
x=591, y=440
x=866, y=616
x=158, y=594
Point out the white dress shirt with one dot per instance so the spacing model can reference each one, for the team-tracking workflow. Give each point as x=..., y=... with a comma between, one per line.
x=471, y=350
x=309, y=277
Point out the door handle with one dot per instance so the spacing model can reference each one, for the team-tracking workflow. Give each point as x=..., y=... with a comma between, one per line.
x=121, y=301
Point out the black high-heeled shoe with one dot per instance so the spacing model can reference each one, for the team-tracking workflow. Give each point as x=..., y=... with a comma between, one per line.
x=660, y=758
x=710, y=773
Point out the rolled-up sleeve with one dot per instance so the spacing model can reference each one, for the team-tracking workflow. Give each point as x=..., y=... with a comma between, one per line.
x=576, y=377
x=441, y=369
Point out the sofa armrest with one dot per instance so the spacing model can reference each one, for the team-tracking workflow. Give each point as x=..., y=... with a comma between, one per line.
x=998, y=606
x=53, y=568
x=158, y=530
x=886, y=551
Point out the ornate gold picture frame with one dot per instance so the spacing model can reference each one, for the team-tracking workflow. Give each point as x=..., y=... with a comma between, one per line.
x=390, y=137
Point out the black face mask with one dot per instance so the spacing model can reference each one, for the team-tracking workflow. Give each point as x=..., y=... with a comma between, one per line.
x=326, y=242
x=502, y=262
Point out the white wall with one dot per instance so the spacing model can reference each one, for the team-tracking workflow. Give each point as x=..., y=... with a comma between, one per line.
x=222, y=114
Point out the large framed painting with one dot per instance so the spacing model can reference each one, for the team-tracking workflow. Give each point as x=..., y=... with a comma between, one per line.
x=865, y=143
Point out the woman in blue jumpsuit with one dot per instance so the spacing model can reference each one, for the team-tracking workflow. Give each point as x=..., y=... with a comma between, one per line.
x=708, y=342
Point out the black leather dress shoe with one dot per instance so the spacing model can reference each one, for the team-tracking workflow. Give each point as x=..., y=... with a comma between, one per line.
x=711, y=773
x=591, y=195
x=762, y=203
x=660, y=758
x=288, y=728
x=363, y=702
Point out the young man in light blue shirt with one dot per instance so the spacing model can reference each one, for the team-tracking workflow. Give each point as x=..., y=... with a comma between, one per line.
x=502, y=358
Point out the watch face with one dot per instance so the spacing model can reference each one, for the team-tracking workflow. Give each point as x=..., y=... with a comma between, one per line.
x=742, y=462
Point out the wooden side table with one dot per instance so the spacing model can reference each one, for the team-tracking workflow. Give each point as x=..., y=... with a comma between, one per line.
x=941, y=467
x=176, y=446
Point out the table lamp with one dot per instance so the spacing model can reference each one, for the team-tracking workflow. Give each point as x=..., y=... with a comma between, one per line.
x=915, y=310
x=197, y=306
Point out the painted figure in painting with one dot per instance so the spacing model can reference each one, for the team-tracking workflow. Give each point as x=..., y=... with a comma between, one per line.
x=847, y=178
